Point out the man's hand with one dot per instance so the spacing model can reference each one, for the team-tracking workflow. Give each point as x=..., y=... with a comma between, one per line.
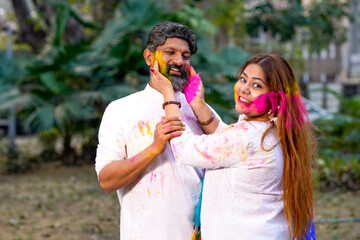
x=165, y=130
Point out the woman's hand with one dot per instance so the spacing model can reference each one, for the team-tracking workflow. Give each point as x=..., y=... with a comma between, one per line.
x=159, y=81
x=194, y=90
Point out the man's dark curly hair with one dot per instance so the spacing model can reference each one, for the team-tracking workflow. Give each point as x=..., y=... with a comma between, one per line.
x=158, y=35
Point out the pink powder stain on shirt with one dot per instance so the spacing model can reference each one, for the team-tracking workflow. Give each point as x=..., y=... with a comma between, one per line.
x=162, y=178
x=188, y=117
x=153, y=177
x=251, y=164
x=192, y=86
x=132, y=160
x=204, y=154
x=173, y=148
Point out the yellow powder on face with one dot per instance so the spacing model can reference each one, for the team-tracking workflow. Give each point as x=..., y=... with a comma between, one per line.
x=162, y=65
x=235, y=93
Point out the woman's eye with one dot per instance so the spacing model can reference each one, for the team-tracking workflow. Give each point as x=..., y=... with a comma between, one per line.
x=242, y=79
x=257, y=85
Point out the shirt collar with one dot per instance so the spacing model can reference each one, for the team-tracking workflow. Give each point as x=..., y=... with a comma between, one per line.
x=156, y=94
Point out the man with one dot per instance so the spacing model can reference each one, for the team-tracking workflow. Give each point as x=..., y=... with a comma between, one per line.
x=157, y=195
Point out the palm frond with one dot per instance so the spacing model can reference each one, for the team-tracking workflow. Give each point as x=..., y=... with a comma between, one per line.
x=41, y=119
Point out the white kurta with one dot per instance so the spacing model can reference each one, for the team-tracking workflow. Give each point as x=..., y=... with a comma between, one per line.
x=242, y=195
x=160, y=203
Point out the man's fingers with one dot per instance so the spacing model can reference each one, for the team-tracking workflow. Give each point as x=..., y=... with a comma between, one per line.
x=171, y=119
x=174, y=128
x=169, y=129
x=172, y=135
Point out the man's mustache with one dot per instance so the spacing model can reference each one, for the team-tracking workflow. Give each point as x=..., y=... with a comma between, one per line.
x=180, y=68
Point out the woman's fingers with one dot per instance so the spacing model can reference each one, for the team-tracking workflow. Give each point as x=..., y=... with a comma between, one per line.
x=156, y=65
x=192, y=71
x=157, y=73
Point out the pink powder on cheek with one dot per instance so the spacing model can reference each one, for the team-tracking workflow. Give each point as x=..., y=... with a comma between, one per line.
x=261, y=103
x=192, y=87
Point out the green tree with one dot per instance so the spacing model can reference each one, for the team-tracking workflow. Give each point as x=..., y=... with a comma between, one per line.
x=325, y=24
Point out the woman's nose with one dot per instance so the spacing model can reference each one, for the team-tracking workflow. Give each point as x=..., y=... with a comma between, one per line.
x=245, y=88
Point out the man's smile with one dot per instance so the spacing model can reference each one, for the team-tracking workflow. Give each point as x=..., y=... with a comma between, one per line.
x=175, y=71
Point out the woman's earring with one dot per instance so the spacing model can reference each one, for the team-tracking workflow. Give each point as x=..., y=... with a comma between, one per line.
x=273, y=119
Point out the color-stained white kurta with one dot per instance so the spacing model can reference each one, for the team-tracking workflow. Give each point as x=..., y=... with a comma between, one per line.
x=242, y=195
x=161, y=203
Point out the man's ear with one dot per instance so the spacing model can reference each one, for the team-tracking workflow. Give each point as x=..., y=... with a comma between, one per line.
x=148, y=55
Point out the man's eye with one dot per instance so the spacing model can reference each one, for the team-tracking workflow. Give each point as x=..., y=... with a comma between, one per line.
x=169, y=52
x=186, y=57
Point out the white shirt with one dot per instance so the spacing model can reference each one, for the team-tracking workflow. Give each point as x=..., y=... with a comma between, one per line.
x=161, y=203
x=242, y=195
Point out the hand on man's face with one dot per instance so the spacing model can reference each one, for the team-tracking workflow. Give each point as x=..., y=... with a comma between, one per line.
x=175, y=55
x=177, y=75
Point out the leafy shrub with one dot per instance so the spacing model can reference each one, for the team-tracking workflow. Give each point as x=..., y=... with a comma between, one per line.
x=339, y=147
x=15, y=161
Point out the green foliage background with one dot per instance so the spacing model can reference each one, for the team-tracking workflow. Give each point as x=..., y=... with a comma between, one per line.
x=62, y=92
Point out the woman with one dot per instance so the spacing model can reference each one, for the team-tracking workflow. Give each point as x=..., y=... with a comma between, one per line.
x=258, y=182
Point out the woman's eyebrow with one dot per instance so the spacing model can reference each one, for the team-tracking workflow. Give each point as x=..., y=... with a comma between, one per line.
x=256, y=78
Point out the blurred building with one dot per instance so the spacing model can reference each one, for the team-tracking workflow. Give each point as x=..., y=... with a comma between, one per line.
x=336, y=68
x=351, y=55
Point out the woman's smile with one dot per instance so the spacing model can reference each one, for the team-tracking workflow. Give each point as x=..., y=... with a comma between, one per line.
x=244, y=100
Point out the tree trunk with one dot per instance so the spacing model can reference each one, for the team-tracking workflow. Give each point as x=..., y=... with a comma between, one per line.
x=176, y=4
x=27, y=31
x=37, y=38
x=68, y=156
x=102, y=11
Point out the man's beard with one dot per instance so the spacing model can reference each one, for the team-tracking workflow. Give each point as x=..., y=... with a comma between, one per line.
x=178, y=82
